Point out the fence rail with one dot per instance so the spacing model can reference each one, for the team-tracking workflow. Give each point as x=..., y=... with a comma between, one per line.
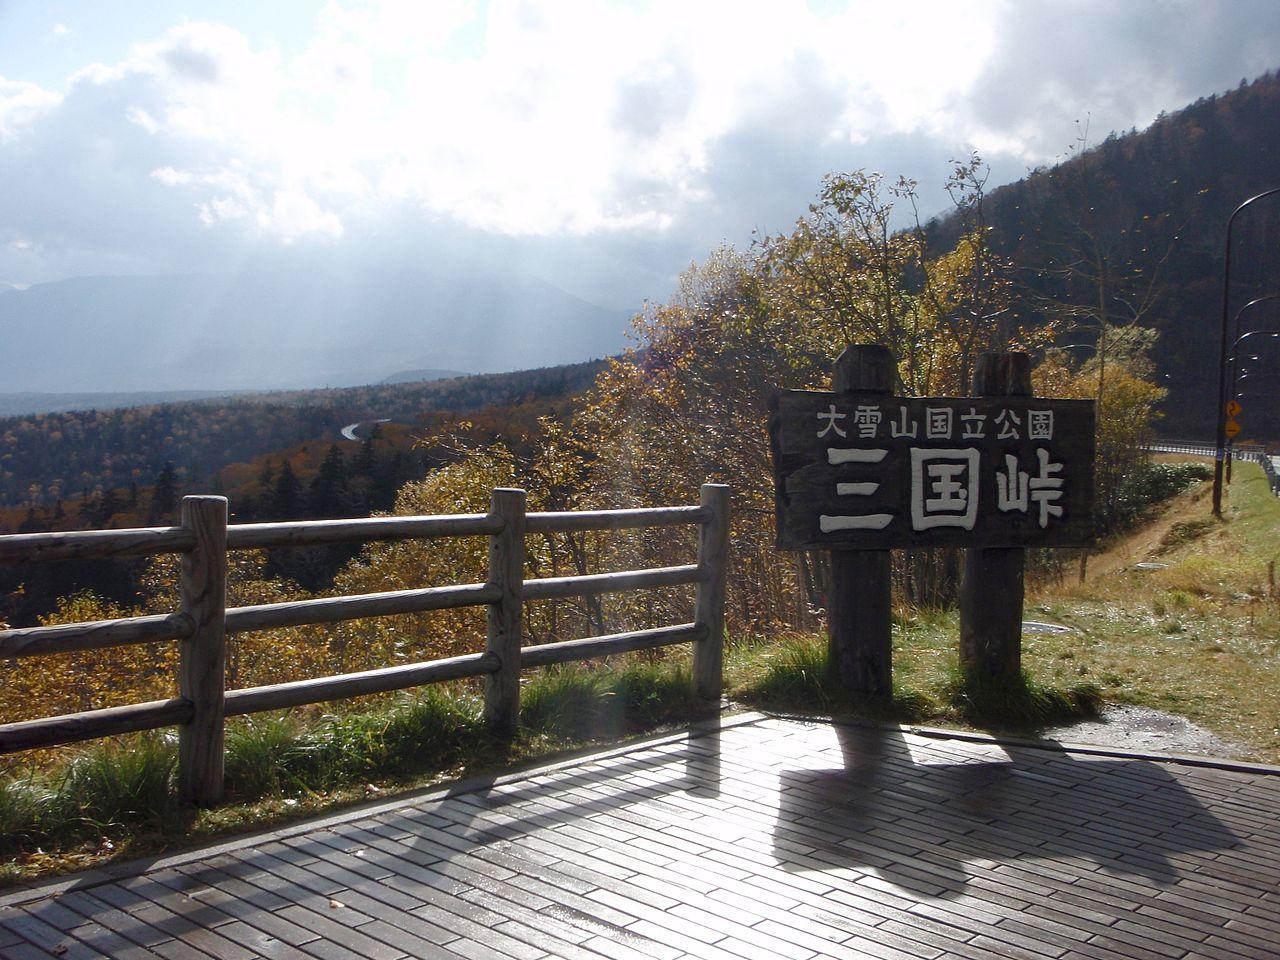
x=201, y=626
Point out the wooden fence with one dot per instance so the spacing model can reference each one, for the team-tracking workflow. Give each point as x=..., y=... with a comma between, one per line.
x=203, y=621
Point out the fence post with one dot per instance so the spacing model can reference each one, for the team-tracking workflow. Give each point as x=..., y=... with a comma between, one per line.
x=708, y=608
x=505, y=617
x=202, y=666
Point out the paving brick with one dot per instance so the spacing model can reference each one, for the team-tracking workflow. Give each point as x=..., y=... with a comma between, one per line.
x=772, y=839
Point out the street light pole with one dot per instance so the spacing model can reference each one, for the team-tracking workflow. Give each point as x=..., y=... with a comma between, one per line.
x=1231, y=361
x=1221, y=416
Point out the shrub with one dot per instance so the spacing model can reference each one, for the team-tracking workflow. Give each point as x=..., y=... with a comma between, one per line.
x=1149, y=484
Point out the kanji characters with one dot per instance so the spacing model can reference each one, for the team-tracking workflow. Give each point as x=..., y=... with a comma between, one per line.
x=831, y=417
x=938, y=423
x=944, y=488
x=1039, y=424
x=867, y=419
x=1016, y=489
x=1008, y=422
x=829, y=523
x=903, y=428
x=973, y=425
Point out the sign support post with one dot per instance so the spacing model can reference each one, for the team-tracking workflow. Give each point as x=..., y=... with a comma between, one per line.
x=991, y=587
x=859, y=610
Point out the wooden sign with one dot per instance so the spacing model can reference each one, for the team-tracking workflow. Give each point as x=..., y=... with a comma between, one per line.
x=866, y=471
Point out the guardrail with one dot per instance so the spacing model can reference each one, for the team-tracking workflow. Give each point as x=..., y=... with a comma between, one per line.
x=1269, y=468
x=1202, y=448
x=203, y=539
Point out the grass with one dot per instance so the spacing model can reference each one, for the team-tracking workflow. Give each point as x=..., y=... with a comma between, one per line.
x=117, y=798
x=1200, y=638
x=795, y=676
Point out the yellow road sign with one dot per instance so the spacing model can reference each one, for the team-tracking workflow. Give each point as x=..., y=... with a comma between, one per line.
x=1234, y=408
x=1232, y=428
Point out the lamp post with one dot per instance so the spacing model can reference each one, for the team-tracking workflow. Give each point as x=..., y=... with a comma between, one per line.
x=1221, y=417
x=1233, y=361
x=1240, y=313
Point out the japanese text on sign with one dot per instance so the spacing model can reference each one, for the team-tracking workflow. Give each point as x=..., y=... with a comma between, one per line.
x=881, y=471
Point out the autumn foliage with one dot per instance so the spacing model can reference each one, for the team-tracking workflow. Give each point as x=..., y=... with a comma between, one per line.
x=687, y=405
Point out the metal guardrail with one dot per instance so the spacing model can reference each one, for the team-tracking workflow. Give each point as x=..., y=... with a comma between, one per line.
x=1269, y=468
x=1204, y=448
x=201, y=625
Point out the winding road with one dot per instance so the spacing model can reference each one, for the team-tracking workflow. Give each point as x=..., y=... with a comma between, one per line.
x=349, y=431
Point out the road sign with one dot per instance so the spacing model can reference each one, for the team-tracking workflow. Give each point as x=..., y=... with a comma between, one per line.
x=865, y=471
x=1233, y=408
x=1233, y=428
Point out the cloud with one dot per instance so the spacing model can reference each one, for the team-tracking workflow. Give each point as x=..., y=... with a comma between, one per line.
x=572, y=137
x=22, y=104
x=1116, y=65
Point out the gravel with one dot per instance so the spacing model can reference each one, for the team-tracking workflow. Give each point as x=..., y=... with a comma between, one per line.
x=1128, y=727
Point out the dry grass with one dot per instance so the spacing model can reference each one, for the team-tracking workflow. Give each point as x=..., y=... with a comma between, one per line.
x=1200, y=638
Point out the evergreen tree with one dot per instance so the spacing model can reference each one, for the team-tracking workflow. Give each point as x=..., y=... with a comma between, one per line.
x=330, y=491
x=286, y=499
x=105, y=508
x=366, y=460
x=164, y=495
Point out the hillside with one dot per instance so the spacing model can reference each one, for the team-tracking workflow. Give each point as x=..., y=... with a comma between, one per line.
x=1129, y=197
x=47, y=456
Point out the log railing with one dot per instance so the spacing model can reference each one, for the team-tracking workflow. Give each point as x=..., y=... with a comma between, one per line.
x=203, y=621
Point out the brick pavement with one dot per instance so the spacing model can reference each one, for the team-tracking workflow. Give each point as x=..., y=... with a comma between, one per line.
x=756, y=838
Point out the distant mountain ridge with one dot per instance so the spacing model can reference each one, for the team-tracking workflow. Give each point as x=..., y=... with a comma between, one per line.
x=287, y=329
x=422, y=376
x=21, y=404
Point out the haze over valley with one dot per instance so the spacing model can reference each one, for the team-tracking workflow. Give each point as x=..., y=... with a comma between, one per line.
x=289, y=329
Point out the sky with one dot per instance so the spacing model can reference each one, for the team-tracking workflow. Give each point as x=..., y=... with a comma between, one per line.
x=600, y=146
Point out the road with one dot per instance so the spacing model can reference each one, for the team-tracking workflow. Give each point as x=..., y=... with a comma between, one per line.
x=349, y=431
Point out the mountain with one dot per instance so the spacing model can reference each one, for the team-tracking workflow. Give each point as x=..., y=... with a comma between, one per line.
x=288, y=328
x=19, y=404
x=1170, y=188
x=422, y=376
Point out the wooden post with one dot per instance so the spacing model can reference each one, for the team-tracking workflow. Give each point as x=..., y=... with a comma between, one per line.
x=713, y=564
x=991, y=590
x=859, y=610
x=505, y=617
x=202, y=668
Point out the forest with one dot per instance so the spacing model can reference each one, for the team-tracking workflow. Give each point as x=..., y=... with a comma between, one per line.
x=51, y=456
